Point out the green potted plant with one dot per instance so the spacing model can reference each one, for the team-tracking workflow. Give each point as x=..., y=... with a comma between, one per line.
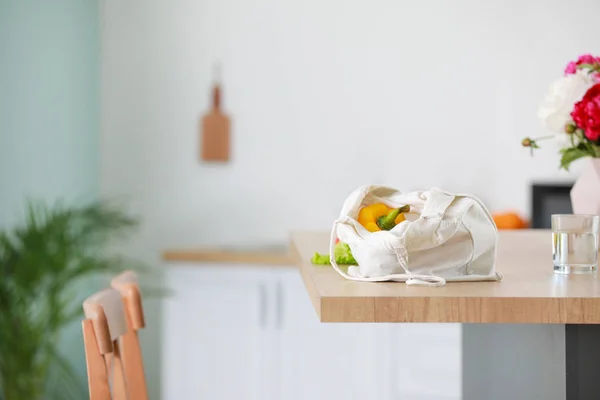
x=43, y=262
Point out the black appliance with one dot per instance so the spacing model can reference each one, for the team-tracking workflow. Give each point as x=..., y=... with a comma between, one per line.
x=548, y=199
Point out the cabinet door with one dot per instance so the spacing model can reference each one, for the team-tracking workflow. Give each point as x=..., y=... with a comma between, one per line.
x=427, y=361
x=324, y=361
x=214, y=333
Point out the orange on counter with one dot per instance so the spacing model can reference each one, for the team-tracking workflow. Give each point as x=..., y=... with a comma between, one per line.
x=509, y=220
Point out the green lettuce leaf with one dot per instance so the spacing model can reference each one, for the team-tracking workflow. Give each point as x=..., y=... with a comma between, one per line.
x=343, y=256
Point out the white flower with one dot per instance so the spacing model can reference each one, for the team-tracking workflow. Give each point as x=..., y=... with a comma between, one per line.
x=555, y=110
x=563, y=139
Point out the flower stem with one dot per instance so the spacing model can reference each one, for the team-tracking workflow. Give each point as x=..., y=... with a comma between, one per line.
x=543, y=137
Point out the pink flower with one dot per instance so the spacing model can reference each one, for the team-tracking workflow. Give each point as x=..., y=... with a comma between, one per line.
x=571, y=68
x=586, y=59
x=583, y=59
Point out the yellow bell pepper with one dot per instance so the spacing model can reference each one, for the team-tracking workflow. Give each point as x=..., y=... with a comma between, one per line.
x=378, y=217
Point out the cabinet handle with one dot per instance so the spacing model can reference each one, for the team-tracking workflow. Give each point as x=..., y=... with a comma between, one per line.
x=279, y=305
x=262, y=299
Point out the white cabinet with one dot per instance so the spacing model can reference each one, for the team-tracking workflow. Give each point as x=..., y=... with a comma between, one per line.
x=324, y=361
x=214, y=325
x=251, y=333
x=427, y=362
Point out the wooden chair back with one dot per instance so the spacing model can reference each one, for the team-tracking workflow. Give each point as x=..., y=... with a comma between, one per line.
x=127, y=285
x=103, y=325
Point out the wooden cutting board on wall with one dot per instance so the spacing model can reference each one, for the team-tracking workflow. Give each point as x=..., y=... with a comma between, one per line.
x=215, y=132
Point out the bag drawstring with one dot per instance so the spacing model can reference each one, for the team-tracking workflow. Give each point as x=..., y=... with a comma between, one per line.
x=410, y=279
x=434, y=282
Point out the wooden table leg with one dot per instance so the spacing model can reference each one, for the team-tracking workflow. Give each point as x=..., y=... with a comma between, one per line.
x=582, y=347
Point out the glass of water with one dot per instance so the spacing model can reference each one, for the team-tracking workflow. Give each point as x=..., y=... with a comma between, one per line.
x=575, y=243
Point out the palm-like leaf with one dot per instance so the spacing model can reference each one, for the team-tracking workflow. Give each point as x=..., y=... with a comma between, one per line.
x=41, y=263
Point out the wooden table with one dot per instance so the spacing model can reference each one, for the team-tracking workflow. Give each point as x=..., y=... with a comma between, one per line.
x=529, y=293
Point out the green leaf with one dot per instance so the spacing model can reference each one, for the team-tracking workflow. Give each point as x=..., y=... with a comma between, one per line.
x=342, y=253
x=571, y=154
x=584, y=66
x=42, y=261
x=320, y=259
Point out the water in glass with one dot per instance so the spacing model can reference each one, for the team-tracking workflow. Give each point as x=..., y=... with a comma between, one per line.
x=575, y=252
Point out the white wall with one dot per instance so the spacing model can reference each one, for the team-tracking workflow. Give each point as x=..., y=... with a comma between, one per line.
x=325, y=95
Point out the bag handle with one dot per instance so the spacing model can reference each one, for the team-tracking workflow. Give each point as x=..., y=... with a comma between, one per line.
x=436, y=204
x=410, y=279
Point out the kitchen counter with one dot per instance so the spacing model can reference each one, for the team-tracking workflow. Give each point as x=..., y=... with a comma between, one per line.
x=528, y=293
x=252, y=256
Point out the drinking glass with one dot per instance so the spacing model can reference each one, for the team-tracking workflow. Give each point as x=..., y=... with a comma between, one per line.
x=575, y=243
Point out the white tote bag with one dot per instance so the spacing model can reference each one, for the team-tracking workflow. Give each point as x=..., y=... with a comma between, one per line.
x=446, y=237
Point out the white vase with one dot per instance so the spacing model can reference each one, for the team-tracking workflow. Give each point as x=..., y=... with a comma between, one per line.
x=585, y=194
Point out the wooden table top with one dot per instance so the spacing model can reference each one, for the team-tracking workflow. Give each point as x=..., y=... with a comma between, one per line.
x=530, y=292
